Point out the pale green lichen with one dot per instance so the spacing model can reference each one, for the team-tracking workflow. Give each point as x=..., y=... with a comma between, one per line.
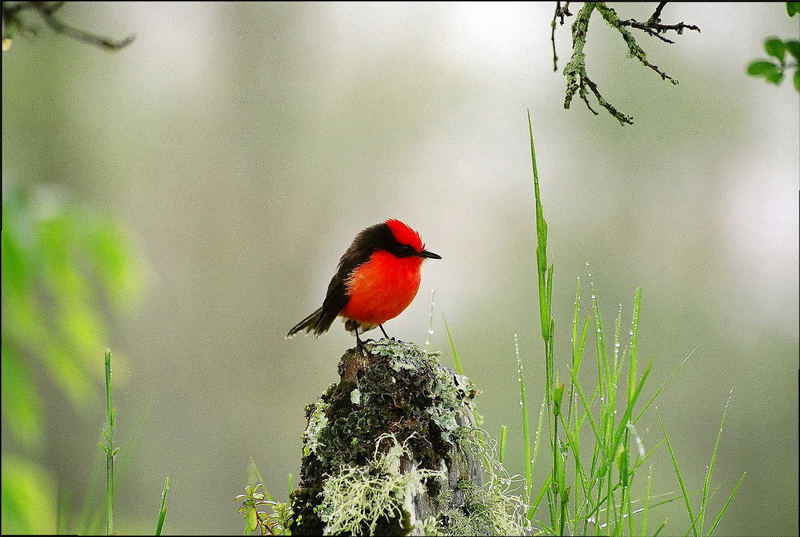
x=492, y=509
x=357, y=497
x=316, y=423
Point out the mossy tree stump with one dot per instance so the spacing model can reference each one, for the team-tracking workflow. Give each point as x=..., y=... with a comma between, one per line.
x=393, y=449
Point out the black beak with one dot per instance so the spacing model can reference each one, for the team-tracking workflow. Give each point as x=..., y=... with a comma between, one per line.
x=430, y=255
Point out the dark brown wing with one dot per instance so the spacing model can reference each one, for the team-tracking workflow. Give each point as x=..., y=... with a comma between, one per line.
x=373, y=238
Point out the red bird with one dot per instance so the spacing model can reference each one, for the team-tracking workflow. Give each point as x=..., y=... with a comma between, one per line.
x=377, y=279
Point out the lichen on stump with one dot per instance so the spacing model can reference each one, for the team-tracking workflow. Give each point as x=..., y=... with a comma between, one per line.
x=393, y=449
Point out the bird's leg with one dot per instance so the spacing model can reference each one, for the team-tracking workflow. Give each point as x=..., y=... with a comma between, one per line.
x=384, y=331
x=359, y=343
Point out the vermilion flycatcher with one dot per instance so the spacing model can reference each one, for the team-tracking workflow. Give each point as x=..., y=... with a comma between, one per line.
x=377, y=279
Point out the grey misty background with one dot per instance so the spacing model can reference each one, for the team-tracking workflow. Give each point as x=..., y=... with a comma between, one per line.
x=245, y=145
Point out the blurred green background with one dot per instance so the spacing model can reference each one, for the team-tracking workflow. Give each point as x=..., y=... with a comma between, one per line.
x=185, y=201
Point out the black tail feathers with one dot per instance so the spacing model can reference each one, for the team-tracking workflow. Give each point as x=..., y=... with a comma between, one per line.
x=309, y=324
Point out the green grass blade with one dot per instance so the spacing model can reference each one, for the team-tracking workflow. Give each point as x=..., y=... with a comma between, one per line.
x=623, y=424
x=664, y=385
x=706, y=485
x=254, y=469
x=542, y=492
x=541, y=243
x=538, y=435
x=503, y=432
x=162, y=514
x=646, y=502
x=661, y=527
x=727, y=503
x=526, y=437
x=109, y=448
x=637, y=304
x=680, y=477
x=453, y=347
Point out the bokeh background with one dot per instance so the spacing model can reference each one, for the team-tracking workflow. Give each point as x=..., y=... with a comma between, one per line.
x=230, y=154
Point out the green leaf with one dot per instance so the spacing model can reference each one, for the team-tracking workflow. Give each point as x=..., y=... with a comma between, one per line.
x=761, y=68
x=794, y=48
x=252, y=519
x=558, y=394
x=792, y=8
x=775, y=78
x=775, y=47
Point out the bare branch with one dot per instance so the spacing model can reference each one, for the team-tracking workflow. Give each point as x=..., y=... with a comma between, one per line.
x=12, y=22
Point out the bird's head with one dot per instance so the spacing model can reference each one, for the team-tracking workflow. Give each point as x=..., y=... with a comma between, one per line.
x=407, y=241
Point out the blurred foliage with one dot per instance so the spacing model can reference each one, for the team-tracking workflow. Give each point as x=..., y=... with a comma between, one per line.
x=28, y=492
x=783, y=52
x=65, y=269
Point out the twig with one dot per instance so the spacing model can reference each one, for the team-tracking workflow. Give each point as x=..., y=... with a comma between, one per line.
x=654, y=27
x=12, y=21
x=559, y=13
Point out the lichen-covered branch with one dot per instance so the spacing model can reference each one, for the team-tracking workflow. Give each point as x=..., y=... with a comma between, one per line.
x=13, y=23
x=575, y=71
x=578, y=80
x=610, y=16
